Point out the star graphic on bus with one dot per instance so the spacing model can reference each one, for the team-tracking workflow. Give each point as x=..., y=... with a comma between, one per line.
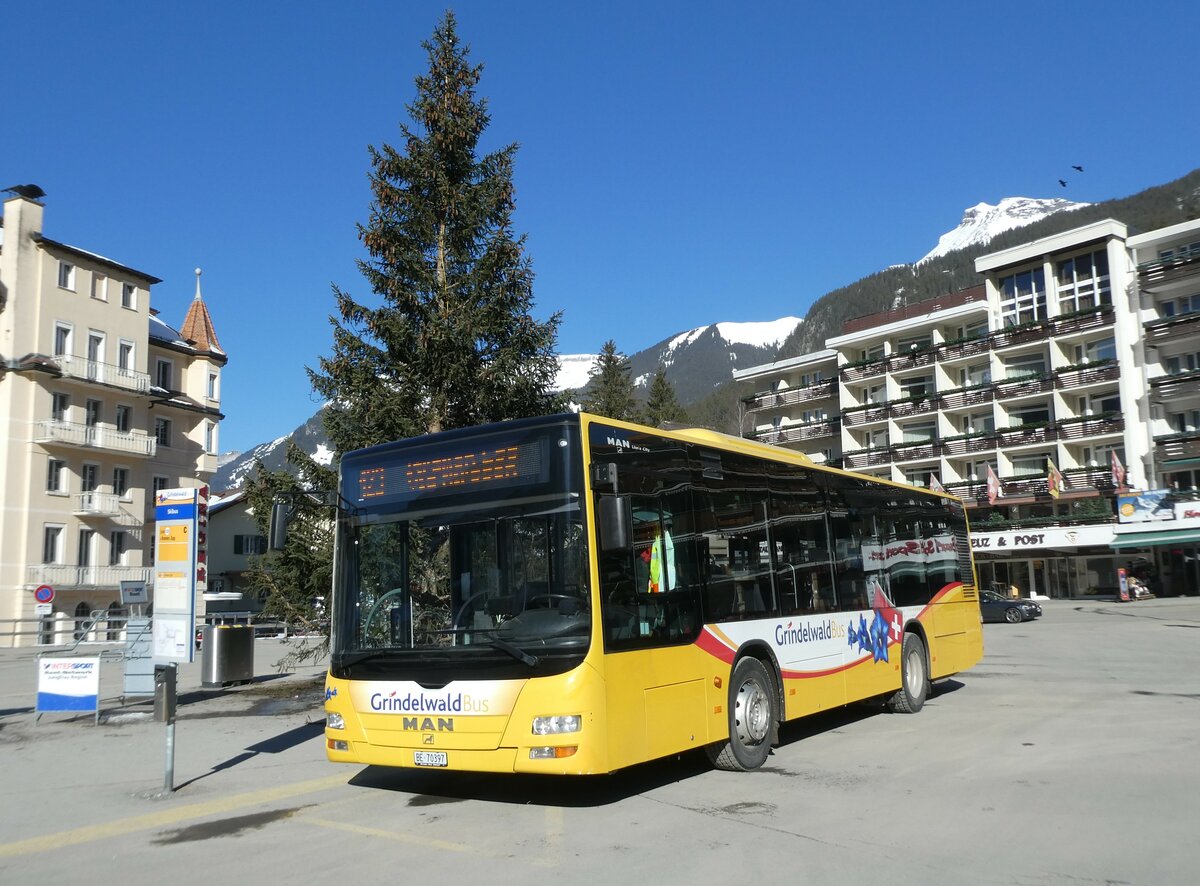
x=880, y=629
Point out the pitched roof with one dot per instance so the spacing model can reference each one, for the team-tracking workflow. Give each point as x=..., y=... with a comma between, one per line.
x=198, y=328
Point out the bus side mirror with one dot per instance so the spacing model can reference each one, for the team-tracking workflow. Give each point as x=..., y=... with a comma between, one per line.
x=614, y=518
x=278, y=528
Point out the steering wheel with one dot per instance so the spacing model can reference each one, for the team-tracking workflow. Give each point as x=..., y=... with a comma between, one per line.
x=374, y=609
x=530, y=600
x=623, y=593
x=462, y=610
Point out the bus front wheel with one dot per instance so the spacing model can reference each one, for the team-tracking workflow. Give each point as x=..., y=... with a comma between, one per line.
x=914, y=677
x=752, y=718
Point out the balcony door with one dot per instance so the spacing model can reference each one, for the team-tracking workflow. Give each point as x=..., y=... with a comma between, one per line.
x=95, y=355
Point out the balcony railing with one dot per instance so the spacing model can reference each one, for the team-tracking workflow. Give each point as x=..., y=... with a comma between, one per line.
x=74, y=366
x=98, y=504
x=1083, y=320
x=1090, y=426
x=1172, y=328
x=60, y=576
x=857, y=416
x=1172, y=387
x=1176, y=446
x=93, y=437
x=1078, y=376
x=1022, y=386
x=1164, y=270
x=820, y=391
x=865, y=458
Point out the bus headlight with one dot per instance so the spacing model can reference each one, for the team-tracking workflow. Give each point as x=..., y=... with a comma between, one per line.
x=557, y=725
x=334, y=721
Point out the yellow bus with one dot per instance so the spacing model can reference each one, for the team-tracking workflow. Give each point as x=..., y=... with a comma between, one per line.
x=574, y=595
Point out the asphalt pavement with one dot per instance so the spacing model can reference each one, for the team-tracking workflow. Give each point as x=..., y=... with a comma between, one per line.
x=1070, y=755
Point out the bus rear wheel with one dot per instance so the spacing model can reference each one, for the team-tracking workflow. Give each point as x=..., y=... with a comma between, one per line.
x=914, y=677
x=752, y=718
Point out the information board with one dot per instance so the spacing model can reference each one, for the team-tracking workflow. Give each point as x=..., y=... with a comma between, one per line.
x=68, y=685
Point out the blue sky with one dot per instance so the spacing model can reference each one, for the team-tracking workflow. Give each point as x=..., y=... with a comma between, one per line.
x=680, y=163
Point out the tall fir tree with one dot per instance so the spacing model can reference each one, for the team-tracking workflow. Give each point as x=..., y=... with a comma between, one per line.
x=610, y=391
x=447, y=341
x=662, y=405
x=452, y=341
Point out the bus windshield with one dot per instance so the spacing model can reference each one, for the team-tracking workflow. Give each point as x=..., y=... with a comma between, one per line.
x=445, y=572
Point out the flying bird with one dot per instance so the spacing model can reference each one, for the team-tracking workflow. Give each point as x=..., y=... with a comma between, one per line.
x=1077, y=168
x=1062, y=183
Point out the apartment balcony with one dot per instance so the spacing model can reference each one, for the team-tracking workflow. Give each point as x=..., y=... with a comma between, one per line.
x=1082, y=376
x=960, y=350
x=822, y=391
x=97, y=504
x=1091, y=426
x=50, y=431
x=1023, y=386
x=798, y=432
x=1082, y=321
x=916, y=451
x=1037, y=330
x=862, y=370
x=857, y=415
x=865, y=458
x=969, y=396
x=911, y=359
x=1175, y=447
x=81, y=368
x=910, y=406
x=1170, y=329
x=1027, y=435
x=1096, y=477
x=63, y=577
x=1168, y=270
x=969, y=444
x=1181, y=385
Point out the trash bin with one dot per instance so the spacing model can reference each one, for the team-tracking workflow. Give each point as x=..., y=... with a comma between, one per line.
x=164, y=693
x=228, y=655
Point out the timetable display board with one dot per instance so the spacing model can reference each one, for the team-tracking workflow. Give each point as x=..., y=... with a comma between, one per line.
x=180, y=518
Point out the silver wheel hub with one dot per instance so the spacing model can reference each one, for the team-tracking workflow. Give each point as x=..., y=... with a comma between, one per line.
x=914, y=672
x=752, y=713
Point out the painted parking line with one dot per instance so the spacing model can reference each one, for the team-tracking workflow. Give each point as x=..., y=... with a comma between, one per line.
x=167, y=816
x=394, y=836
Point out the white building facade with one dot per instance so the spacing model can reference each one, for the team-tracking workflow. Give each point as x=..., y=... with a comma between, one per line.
x=1062, y=376
x=101, y=404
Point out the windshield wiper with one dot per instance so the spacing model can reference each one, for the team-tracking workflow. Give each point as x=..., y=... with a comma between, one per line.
x=350, y=660
x=504, y=646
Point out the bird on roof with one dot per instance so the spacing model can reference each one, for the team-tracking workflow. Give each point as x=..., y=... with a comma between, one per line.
x=1077, y=168
x=31, y=192
x=1062, y=183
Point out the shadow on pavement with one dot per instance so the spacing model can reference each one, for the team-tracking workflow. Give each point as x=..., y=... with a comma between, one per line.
x=276, y=744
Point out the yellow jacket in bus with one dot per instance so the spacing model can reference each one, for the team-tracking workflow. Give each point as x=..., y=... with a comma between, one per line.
x=663, y=547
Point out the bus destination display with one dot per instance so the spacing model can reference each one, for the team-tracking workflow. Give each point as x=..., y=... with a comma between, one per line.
x=478, y=469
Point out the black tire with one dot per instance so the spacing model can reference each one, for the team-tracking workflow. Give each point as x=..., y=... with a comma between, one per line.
x=1013, y=615
x=753, y=716
x=914, y=677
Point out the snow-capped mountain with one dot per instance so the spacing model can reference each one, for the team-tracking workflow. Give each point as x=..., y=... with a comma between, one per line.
x=573, y=370
x=983, y=221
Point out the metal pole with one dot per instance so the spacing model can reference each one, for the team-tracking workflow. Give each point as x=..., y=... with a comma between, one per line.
x=169, y=775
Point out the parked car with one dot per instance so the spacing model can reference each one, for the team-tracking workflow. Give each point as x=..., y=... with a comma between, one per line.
x=995, y=607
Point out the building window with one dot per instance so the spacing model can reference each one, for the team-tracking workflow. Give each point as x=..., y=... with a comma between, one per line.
x=125, y=355
x=876, y=394
x=87, y=543
x=89, y=477
x=1025, y=366
x=1182, y=363
x=979, y=423
x=1098, y=404
x=1186, y=422
x=121, y=482
x=917, y=386
x=162, y=373
x=62, y=339
x=1033, y=414
x=919, y=477
x=162, y=431
x=66, y=276
x=249, y=544
x=918, y=432
x=979, y=374
x=52, y=544
x=210, y=437
x=212, y=386
x=92, y=413
x=1096, y=351
x=116, y=548
x=1083, y=282
x=56, y=476
x=877, y=439
x=1029, y=465
x=913, y=343
x=158, y=484
x=129, y=296
x=59, y=404
x=99, y=286
x=1023, y=297
x=124, y=415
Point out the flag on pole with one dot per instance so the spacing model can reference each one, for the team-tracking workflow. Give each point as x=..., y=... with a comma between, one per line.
x=993, y=486
x=1118, y=471
x=936, y=485
x=1055, y=482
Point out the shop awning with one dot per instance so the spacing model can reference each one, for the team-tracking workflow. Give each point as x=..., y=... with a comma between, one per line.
x=1152, y=539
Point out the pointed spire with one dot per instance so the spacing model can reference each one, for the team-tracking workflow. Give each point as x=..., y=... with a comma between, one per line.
x=197, y=327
